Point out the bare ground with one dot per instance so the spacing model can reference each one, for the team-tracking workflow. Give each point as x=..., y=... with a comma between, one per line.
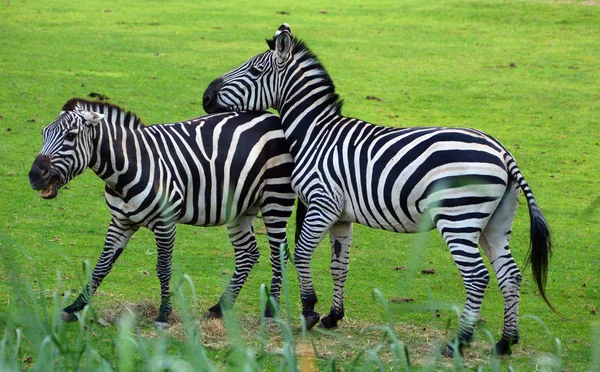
x=345, y=344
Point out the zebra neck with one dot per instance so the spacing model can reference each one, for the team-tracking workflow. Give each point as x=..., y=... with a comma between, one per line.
x=304, y=111
x=116, y=153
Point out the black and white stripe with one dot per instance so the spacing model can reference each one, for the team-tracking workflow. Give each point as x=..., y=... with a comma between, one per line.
x=213, y=170
x=461, y=181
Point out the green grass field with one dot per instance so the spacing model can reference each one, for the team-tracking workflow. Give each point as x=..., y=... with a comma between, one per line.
x=526, y=72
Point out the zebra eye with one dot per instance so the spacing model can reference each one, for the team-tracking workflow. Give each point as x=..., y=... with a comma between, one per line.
x=70, y=136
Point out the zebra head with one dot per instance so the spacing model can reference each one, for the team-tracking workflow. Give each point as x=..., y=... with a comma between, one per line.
x=66, y=149
x=253, y=86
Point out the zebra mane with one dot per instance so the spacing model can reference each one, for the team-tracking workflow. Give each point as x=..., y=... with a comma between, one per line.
x=128, y=118
x=302, y=52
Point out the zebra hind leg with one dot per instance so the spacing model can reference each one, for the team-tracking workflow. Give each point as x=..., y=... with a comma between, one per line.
x=340, y=236
x=495, y=243
x=463, y=244
x=242, y=238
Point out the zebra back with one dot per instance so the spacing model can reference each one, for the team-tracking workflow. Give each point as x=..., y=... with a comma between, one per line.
x=202, y=171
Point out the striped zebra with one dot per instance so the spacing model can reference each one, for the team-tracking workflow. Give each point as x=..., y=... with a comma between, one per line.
x=208, y=171
x=461, y=181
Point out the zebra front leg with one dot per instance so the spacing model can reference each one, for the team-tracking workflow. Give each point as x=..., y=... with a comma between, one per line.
x=276, y=277
x=164, y=234
x=340, y=236
x=320, y=216
x=276, y=204
x=275, y=224
x=115, y=242
x=246, y=255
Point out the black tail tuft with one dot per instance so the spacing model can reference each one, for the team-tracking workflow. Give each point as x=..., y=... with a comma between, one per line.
x=540, y=249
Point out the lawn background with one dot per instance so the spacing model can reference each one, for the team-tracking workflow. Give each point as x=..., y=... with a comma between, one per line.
x=526, y=72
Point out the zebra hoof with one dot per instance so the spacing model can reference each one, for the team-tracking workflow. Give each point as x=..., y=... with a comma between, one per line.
x=503, y=348
x=269, y=313
x=213, y=315
x=270, y=322
x=449, y=351
x=311, y=318
x=329, y=322
x=162, y=325
x=68, y=317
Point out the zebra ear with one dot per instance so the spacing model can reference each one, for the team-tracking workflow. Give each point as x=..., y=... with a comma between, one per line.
x=283, y=28
x=283, y=43
x=92, y=118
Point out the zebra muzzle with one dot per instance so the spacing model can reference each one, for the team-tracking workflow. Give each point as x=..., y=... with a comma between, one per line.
x=42, y=178
x=51, y=190
x=209, y=99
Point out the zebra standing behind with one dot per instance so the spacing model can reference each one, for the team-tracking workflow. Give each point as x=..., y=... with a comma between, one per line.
x=461, y=181
x=208, y=171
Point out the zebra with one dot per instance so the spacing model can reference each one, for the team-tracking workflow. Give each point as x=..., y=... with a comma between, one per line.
x=461, y=181
x=208, y=171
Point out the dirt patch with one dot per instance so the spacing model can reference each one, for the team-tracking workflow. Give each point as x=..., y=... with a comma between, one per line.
x=424, y=344
x=145, y=310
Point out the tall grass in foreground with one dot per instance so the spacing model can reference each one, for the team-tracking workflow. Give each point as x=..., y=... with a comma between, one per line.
x=34, y=323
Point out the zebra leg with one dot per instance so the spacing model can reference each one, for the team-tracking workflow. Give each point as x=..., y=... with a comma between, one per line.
x=276, y=204
x=320, y=216
x=340, y=236
x=462, y=242
x=116, y=240
x=275, y=224
x=242, y=238
x=495, y=243
x=164, y=234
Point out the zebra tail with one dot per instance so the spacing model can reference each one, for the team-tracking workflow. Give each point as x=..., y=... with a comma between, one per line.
x=540, y=247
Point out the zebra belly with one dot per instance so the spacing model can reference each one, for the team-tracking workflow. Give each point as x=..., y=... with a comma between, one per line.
x=382, y=219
